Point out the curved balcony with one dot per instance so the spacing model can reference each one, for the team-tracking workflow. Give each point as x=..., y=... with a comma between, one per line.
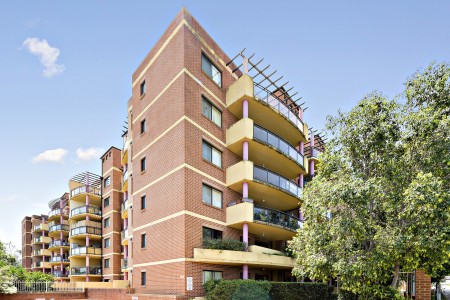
x=125, y=181
x=79, y=194
x=85, y=251
x=83, y=231
x=86, y=271
x=42, y=252
x=40, y=227
x=55, y=230
x=124, y=237
x=56, y=214
x=264, y=186
x=57, y=260
x=56, y=244
x=42, y=264
x=124, y=159
x=266, y=109
x=266, y=223
x=41, y=240
x=80, y=213
x=266, y=148
x=59, y=274
x=124, y=210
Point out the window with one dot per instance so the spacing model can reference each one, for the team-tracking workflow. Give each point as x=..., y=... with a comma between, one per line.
x=212, y=196
x=143, y=278
x=143, y=165
x=106, y=263
x=211, y=112
x=106, y=202
x=143, y=126
x=107, y=181
x=142, y=88
x=211, y=275
x=106, y=222
x=107, y=242
x=211, y=154
x=143, y=240
x=143, y=199
x=213, y=234
x=211, y=70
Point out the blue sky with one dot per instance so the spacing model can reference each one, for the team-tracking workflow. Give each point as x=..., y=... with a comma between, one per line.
x=70, y=92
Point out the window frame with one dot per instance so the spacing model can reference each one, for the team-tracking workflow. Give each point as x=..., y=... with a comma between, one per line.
x=143, y=278
x=212, y=107
x=106, y=262
x=211, y=149
x=212, y=190
x=214, y=235
x=143, y=240
x=143, y=164
x=104, y=202
x=106, y=222
x=107, y=182
x=142, y=88
x=143, y=200
x=213, y=273
x=106, y=241
x=143, y=126
x=212, y=66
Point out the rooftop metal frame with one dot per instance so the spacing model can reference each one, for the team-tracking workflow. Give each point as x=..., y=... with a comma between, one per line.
x=94, y=179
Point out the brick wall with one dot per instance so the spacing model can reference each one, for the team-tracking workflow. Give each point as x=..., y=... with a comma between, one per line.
x=423, y=285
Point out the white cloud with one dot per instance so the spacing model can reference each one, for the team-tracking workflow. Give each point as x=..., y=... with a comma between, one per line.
x=89, y=153
x=55, y=155
x=47, y=55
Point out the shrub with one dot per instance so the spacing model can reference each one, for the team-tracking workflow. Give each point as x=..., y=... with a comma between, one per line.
x=225, y=244
x=210, y=285
x=299, y=291
x=240, y=290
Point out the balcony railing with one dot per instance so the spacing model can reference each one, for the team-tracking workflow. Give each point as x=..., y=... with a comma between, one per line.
x=85, y=251
x=276, y=180
x=59, y=274
x=85, y=230
x=264, y=136
x=58, y=259
x=58, y=243
x=54, y=212
x=58, y=227
x=266, y=96
x=124, y=205
x=87, y=209
x=124, y=234
x=275, y=217
x=124, y=263
x=84, y=189
x=94, y=270
x=39, y=227
x=38, y=239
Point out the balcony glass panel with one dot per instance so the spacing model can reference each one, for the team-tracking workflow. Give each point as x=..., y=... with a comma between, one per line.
x=276, y=180
x=58, y=243
x=84, y=189
x=58, y=259
x=85, y=250
x=266, y=137
x=85, y=230
x=86, y=209
x=58, y=227
x=94, y=270
x=54, y=212
x=263, y=95
x=275, y=217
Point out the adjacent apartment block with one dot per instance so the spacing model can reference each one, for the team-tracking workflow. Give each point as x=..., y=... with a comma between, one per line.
x=212, y=151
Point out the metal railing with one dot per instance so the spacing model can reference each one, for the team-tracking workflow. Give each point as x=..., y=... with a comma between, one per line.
x=58, y=259
x=94, y=270
x=85, y=230
x=264, y=95
x=39, y=227
x=86, y=209
x=39, y=239
x=266, y=137
x=275, y=217
x=124, y=205
x=124, y=263
x=85, y=189
x=54, y=212
x=62, y=227
x=47, y=286
x=264, y=175
x=315, y=152
x=85, y=251
x=58, y=243
x=123, y=234
x=42, y=252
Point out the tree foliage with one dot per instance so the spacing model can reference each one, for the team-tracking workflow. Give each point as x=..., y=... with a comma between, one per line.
x=385, y=180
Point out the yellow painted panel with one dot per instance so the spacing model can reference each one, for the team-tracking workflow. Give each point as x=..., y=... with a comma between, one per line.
x=243, y=129
x=242, y=171
x=240, y=213
x=243, y=87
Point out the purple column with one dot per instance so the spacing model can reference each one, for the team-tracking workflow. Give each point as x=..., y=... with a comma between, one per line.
x=245, y=272
x=245, y=150
x=125, y=251
x=87, y=268
x=245, y=108
x=300, y=113
x=311, y=143
x=245, y=190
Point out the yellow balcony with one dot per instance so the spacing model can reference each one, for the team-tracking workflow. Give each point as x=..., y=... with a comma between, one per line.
x=264, y=187
x=56, y=215
x=85, y=251
x=58, y=260
x=124, y=237
x=42, y=252
x=266, y=110
x=41, y=240
x=56, y=230
x=40, y=227
x=266, y=148
x=266, y=223
x=125, y=181
x=125, y=208
x=256, y=257
x=42, y=264
x=94, y=233
x=94, y=271
x=124, y=156
x=57, y=244
x=81, y=212
x=79, y=194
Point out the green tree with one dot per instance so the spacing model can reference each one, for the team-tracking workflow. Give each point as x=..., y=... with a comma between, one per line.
x=385, y=180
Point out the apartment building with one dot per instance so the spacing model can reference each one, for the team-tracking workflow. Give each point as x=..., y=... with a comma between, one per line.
x=210, y=153
x=35, y=242
x=27, y=259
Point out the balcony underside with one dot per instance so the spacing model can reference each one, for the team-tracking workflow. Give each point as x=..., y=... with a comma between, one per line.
x=94, y=199
x=57, y=263
x=57, y=233
x=82, y=236
x=82, y=216
x=239, y=258
x=125, y=186
x=57, y=217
